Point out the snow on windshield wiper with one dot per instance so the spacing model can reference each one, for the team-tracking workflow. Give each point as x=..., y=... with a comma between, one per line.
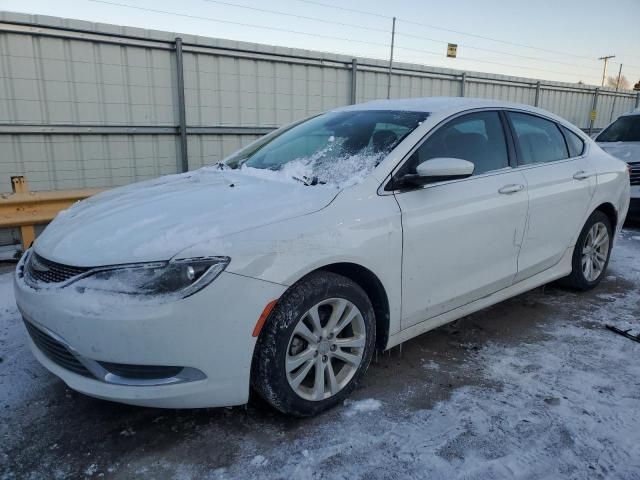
x=308, y=181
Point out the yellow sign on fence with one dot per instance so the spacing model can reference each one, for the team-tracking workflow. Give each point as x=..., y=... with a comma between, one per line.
x=593, y=115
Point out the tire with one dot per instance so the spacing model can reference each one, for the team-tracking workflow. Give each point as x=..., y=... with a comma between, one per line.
x=581, y=278
x=285, y=349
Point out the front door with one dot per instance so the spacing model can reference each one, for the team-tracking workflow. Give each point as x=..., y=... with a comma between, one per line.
x=461, y=238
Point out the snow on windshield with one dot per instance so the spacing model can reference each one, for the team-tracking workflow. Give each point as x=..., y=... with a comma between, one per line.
x=337, y=149
x=347, y=171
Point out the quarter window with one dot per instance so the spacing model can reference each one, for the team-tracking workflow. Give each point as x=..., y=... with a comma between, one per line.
x=476, y=137
x=574, y=142
x=540, y=140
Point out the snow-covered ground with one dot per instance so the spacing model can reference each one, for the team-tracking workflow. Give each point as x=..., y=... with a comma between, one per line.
x=533, y=388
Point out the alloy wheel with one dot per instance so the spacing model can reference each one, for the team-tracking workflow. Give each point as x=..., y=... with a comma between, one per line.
x=325, y=349
x=595, y=251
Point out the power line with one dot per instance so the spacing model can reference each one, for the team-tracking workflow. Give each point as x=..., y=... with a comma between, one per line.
x=465, y=45
x=435, y=27
x=346, y=9
x=352, y=25
x=230, y=22
x=303, y=17
x=470, y=59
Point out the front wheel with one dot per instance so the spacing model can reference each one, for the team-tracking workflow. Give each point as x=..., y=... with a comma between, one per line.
x=591, y=253
x=315, y=346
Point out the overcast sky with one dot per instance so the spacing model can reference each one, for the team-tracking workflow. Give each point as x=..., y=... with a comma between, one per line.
x=569, y=34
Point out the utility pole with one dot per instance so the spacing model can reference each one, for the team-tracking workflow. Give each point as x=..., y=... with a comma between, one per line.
x=613, y=105
x=604, y=70
x=393, y=37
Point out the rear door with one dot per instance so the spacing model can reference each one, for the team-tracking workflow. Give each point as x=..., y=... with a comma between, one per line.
x=560, y=182
x=461, y=237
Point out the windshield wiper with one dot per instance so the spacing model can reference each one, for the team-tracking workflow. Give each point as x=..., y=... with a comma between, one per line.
x=308, y=181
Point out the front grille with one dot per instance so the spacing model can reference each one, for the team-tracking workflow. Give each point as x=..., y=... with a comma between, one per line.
x=635, y=173
x=46, y=271
x=56, y=351
x=141, y=372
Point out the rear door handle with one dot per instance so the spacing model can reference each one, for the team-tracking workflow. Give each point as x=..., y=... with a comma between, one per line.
x=582, y=175
x=509, y=189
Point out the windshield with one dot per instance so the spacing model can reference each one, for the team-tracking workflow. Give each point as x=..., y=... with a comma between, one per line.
x=338, y=148
x=624, y=129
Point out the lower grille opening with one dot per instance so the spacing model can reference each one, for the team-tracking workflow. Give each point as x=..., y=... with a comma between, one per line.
x=56, y=351
x=141, y=372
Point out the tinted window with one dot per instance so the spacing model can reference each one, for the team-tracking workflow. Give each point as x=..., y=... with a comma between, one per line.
x=574, y=142
x=477, y=137
x=540, y=140
x=624, y=129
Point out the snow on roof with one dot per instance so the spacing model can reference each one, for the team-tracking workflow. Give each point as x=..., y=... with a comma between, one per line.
x=433, y=104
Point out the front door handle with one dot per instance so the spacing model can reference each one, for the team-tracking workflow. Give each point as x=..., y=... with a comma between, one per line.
x=509, y=189
x=582, y=175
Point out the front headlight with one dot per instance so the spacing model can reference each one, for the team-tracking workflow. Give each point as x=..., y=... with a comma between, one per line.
x=175, y=278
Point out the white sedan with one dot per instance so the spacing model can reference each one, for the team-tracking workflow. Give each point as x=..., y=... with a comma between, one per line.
x=282, y=268
x=622, y=140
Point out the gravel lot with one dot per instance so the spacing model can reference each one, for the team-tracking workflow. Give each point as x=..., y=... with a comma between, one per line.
x=535, y=387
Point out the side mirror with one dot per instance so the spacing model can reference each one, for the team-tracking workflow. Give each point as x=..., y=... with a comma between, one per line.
x=438, y=170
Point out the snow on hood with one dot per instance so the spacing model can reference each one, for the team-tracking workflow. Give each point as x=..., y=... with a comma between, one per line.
x=156, y=219
x=625, y=151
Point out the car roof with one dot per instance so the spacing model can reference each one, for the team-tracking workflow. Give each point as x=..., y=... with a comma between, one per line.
x=426, y=104
x=447, y=105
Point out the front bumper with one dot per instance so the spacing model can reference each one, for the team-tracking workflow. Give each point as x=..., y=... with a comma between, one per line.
x=209, y=332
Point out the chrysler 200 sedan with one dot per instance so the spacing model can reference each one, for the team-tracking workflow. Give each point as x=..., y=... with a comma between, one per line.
x=282, y=268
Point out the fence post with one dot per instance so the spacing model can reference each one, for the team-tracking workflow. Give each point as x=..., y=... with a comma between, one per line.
x=593, y=113
x=182, y=128
x=537, y=100
x=463, y=84
x=638, y=100
x=354, y=73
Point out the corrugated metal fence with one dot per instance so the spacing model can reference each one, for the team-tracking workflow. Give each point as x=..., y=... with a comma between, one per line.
x=95, y=105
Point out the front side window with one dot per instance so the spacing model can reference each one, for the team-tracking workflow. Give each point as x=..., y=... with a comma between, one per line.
x=331, y=148
x=475, y=137
x=624, y=129
x=540, y=140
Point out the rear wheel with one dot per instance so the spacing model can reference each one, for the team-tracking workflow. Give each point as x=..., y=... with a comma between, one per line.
x=315, y=346
x=591, y=253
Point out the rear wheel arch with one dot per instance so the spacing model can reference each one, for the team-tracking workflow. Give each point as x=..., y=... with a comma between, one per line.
x=610, y=211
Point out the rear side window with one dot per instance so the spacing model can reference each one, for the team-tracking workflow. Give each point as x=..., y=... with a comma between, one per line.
x=574, y=142
x=624, y=129
x=540, y=140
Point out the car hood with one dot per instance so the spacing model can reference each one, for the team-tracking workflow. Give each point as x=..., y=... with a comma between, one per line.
x=156, y=219
x=625, y=151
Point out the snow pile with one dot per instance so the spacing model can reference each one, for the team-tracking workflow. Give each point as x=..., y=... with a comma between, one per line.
x=360, y=406
x=259, y=461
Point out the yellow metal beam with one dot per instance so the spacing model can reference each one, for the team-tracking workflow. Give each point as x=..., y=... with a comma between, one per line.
x=25, y=209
